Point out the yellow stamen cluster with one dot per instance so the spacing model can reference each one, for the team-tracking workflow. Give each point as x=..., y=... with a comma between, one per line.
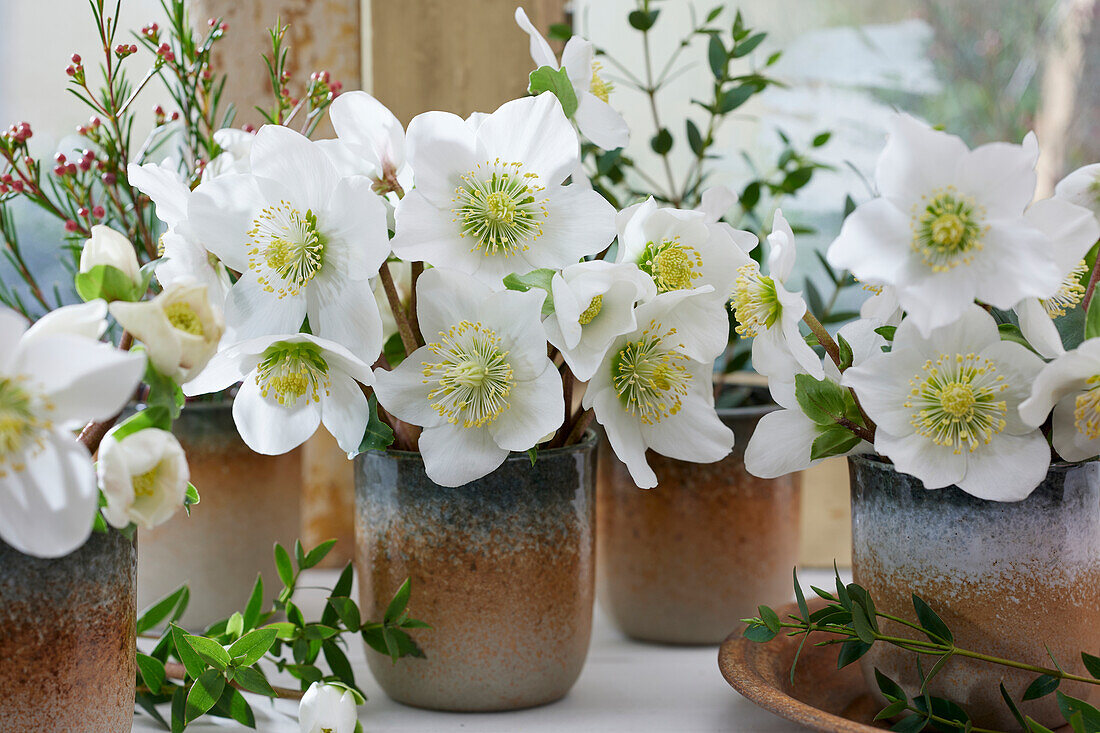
x=183, y=317
x=600, y=88
x=501, y=207
x=650, y=374
x=956, y=401
x=755, y=303
x=1086, y=409
x=21, y=428
x=145, y=484
x=291, y=371
x=472, y=377
x=1069, y=294
x=591, y=311
x=672, y=265
x=947, y=229
x=287, y=251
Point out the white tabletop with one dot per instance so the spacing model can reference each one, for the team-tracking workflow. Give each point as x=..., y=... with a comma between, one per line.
x=625, y=687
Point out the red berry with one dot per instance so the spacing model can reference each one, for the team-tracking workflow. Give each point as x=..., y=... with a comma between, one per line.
x=108, y=179
x=17, y=186
x=59, y=170
x=175, y=116
x=70, y=225
x=99, y=212
x=84, y=164
x=71, y=169
x=76, y=59
x=82, y=212
x=223, y=27
x=70, y=71
x=60, y=157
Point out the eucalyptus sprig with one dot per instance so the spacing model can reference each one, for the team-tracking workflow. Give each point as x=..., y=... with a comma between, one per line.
x=204, y=674
x=851, y=619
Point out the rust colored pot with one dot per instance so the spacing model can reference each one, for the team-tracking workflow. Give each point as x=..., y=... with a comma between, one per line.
x=67, y=640
x=1008, y=579
x=248, y=502
x=682, y=563
x=502, y=568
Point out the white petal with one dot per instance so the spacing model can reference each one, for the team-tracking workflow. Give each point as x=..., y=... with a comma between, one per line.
x=916, y=160
x=1061, y=377
x=781, y=241
x=165, y=187
x=580, y=223
x=882, y=385
x=937, y=300
x=600, y=122
x=515, y=317
x=403, y=391
x=874, y=242
x=88, y=320
x=780, y=444
x=1020, y=367
x=345, y=413
x=934, y=465
x=360, y=119
x=1071, y=443
x=428, y=233
x=441, y=148
x=576, y=59
x=1038, y=328
x=454, y=455
x=220, y=213
x=346, y=313
x=251, y=311
x=536, y=408
x=535, y=132
x=1020, y=264
x=1001, y=176
x=540, y=49
x=1080, y=188
x=1072, y=229
x=355, y=220
x=694, y=433
x=46, y=510
x=625, y=436
x=716, y=201
x=1008, y=469
x=221, y=372
x=290, y=158
x=444, y=298
x=12, y=328
x=268, y=427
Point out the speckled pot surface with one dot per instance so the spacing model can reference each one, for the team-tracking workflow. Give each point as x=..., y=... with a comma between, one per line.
x=503, y=569
x=1007, y=578
x=67, y=639
x=683, y=562
x=248, y=502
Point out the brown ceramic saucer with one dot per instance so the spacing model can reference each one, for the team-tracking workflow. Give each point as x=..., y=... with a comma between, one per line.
x=821, y=698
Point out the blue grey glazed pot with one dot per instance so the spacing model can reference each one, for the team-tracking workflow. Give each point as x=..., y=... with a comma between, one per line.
x=1007, y=578
x=502, y=568
x=67, y=639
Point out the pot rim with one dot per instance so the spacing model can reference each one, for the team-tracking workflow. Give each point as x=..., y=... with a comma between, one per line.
x=590, y=440
x=885, y=463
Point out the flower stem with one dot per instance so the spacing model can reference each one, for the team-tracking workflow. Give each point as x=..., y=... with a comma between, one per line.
x=408, y=336
x=1091, y=289
x=176, y=671
x=823, y=337
x=579, y=427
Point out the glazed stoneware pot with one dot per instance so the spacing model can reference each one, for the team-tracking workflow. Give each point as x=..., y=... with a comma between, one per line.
x=1009, y=579
x=683, y=562
x=248, y=502
x=502, y=568
x=67, y=641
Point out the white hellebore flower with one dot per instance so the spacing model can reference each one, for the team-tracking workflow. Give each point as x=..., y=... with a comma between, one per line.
x=53, y=378
x=1071, y=386
x=1072, y=230
x=372, y=135
x=597, y=120
x=946, y=407
x=291, y=383
x=489, y=202
x=482, y=387
x=108, y=247
x=1082, y=187
x=593, y=304
x=783, y=440
x=882, y=306
x=144, y=476
x=949, y=226
x=180, y=328
x=305, y=239
x=236, y=146
x=327, y=709
x=649, y=394
x=770, y=313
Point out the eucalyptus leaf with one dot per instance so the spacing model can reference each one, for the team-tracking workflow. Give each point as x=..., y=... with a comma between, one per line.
x=933, y=625
x=204, y=693
x=555, y=81
x=251, y=647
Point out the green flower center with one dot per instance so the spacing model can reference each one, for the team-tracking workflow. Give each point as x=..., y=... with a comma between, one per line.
x=650, y=375
x=500, y=207
x=593, y=310
x=292, y=371
x=755, y=302
x=288, y=250
x=20, y=427
x=1070, y=292
x=183, y=317
x=600, y=88
x=1086, y=409
x=471, y=378
x=947, y=229
x=956, y=401
x=672, y=265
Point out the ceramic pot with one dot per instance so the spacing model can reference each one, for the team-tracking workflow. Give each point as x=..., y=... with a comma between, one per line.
x=683, y=562
x=248, y=502
x=1008, y=579
x=67, y=641
x=503, y=569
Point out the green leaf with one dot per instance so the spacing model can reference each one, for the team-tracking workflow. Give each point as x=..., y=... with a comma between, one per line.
x=347, y=611
x=661, y=142
x=152, y=672
x=933, y=625
x=234, y=627
x=846, y=354
x=211, y=651
x=317, y=554
x=1042, y=686
x=803, y=609
x=251, y=647
x=822, y=401
x=850, y=651
x=555, y=81
x=891, y=710
x=862, y=598
x=1013, y=707
x=179, y=708
x=378, y=435
x=253, y=680
x=759, y=633
x=151, y=417
x=394, y=350
x=735, y=97
x=283, y=565
x=192, y=662
x=770, y=618
x=338, y=662
x=887, y=332
x=204, y=693
x=642, y=20
x=1092, y=664
x=160, y=610
x=750, y=196
x=717, y=56
x=1033, y=726
x=191, y=498
x=821, y=139
x=744, y=48
x=399, y=602
x=533, y=454
x=1092, y=319
x=911, y=724
x=890, y=690
x=233, y=705
x=163, y=392
x=714, y=12
x=540, y=279
x=1071, y=706
x=695, y=141
x=255, y=603
x=283, y=630
x=560, y=32
x=861, y=625
x=1011, y=332
x=833, y=440
x=107, y=282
